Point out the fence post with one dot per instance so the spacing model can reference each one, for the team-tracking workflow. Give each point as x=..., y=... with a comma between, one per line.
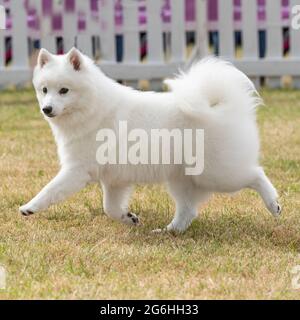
x=226, y=35
x=2, y=49
x=155, y=38
x=2, y=42
x=274, y=37
x=19, y=36
x=154, y=32
x=107, y=36
x=202, y=30
x=295, y=43
x=84, y=41
x=250, y=33
x=178, y=40
x=2, y=57
x=47, y=38
x=70, y=28
x=131, y=35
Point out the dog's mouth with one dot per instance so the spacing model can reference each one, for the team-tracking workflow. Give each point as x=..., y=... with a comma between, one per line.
x=50, y=115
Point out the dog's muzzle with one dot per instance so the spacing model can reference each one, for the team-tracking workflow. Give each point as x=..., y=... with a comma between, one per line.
x=48, y=111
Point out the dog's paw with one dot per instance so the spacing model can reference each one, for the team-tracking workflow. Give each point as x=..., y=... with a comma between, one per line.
x=275, y=208
x=27, y=210
x=131, y=219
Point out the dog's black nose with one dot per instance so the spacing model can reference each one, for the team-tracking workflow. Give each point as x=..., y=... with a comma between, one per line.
x=47, y=110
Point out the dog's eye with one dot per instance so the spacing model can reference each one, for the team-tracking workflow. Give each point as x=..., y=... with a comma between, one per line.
x=45, y=90
x=63, y=91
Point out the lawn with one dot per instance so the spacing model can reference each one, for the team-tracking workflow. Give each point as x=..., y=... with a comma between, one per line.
x=235, y=249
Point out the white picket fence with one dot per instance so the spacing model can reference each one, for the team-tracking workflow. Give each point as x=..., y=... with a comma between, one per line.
x=158, y=63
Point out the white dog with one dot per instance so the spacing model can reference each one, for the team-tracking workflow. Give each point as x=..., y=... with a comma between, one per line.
x=77, y=100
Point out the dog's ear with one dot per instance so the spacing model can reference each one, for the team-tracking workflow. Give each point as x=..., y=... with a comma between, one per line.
x=75, y=59
x=44, y=57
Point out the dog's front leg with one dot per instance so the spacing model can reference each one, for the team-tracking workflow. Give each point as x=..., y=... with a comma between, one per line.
x=67, y=182
x=115, y=203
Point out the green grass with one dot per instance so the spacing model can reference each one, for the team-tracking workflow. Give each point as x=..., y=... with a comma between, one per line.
x=234, y=250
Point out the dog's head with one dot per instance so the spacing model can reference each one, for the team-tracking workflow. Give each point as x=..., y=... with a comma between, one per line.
x=59, y=82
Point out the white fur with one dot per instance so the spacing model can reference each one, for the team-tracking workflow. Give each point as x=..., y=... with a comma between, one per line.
x=213, y=96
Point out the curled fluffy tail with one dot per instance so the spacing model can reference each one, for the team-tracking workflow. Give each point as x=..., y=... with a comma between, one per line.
x=212, y=85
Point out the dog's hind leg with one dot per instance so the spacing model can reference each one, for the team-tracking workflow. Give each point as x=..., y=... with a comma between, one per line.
x=186, y=197
x=115, y=203
x=267, y=191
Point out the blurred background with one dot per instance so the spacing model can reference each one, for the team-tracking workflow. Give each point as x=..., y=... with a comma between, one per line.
x=136, y=40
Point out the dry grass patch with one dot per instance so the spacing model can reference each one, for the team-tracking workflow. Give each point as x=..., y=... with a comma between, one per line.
x=234, y=250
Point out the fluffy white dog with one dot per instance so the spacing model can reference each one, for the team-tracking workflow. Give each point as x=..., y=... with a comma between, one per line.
x=77, y=100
